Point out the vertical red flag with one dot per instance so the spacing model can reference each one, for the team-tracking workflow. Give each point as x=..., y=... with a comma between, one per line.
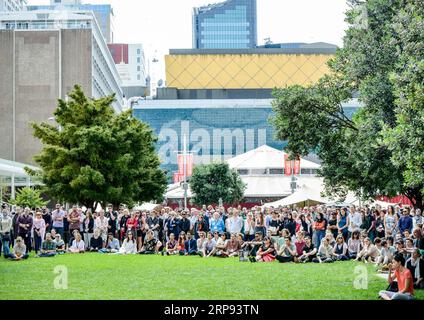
x=189, y=165
x=180, y=161
x=297, y=166
x=287, y=165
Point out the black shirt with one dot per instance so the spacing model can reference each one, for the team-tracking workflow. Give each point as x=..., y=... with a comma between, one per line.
x=96, y=243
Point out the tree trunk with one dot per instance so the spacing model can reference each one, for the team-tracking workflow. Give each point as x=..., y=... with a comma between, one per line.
x=416, y=197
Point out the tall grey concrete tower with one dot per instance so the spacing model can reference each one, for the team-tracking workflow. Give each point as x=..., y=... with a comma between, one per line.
x=226, y=25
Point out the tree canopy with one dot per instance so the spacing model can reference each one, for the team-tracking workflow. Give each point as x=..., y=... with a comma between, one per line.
x=380, y=150
x=211, y=182
x=27, y=197
x=96, y=156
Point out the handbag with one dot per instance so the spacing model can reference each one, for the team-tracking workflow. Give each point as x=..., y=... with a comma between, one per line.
x=393, y=287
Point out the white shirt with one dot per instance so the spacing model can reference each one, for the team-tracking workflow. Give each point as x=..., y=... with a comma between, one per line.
x=101, y=224
x=128, y=247
x=355, y=221
x=80, y=245
x=234, y=224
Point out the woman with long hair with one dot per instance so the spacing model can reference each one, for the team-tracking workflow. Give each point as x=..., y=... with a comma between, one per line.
x=354, y=245
x=266, y=252
x=320, y=225
x=88, y=227
x=129, y=246
x=390, y=222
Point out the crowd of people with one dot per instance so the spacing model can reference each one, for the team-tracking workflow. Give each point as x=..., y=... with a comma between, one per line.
x=392, y=239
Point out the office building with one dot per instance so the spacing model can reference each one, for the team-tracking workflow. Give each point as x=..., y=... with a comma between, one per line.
x=227, y=25
x=12, y=5
x=42, y=57
x=130, y=63
x=103, y=12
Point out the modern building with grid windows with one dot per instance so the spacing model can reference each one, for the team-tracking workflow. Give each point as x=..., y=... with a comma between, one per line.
x=12, y=5
x=227, y=25
x=103, y=12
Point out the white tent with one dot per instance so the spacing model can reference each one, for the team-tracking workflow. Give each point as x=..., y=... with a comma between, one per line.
x=146, y=206
x=304, y=195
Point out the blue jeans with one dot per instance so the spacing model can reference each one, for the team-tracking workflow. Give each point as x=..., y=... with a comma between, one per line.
x=320, y=235
x=5, y=245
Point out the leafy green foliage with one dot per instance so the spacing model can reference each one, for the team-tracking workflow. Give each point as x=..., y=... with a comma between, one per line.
x=378, y=151
x=27, y=197
x=214, y=181
x=96, y=156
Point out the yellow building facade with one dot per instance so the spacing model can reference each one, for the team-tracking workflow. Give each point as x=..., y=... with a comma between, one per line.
x=254, y=69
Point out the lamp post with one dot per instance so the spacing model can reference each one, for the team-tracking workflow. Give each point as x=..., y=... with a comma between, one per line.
x=293, y=184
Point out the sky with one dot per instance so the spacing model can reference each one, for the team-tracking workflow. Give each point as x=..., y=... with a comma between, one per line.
x=161, y=25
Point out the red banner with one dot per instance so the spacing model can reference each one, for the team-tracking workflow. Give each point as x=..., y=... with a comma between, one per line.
x=287, y=165
x=189, y=164
x=180, y=161
x=178, y=177
x=297, y=166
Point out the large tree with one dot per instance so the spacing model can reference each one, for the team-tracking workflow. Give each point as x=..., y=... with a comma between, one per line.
x=360, y=153
x=96, y=156
x=216, y=181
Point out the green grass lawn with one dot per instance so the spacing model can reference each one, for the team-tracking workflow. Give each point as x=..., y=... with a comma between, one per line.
x=97, y=276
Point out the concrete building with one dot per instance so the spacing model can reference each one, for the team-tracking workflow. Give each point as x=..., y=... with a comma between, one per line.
x=130, y=63
x=103, y=12
x=12, y=5
x=231, y=24
x=42, y=56
x=260, y=68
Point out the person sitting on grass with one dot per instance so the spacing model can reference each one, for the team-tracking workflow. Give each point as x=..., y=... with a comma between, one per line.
x=404, y=279
x=284, y=233
x=60, y=244
x=299, y=243
x=415, y=265
x=340, y=249
x=171, y=246
x=48, y=247
x=287, y=252
x=266, y=252
x=78, y=245
x=369, y=252
x=19, y=250
x=112, y=244
x=309, y=251
x=253, y=246
x=129, y=246
x=200, y=242
x=220, y=249
x=181, y=243
x=190, y=245
x=151, y=245
x=354, y=245
x=233, y=246
x=409, y=248
x=325, y=252
x=385, y=257
x=96, y=241
x=208, y=246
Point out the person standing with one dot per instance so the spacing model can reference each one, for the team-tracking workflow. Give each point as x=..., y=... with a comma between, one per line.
x=25, y=222
x=39, y=229
x=47, y=219
x=57, y=219
x=5, y=232
x=405, y=222
x=113, y=218
x=88, y=227
x=74, y=220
